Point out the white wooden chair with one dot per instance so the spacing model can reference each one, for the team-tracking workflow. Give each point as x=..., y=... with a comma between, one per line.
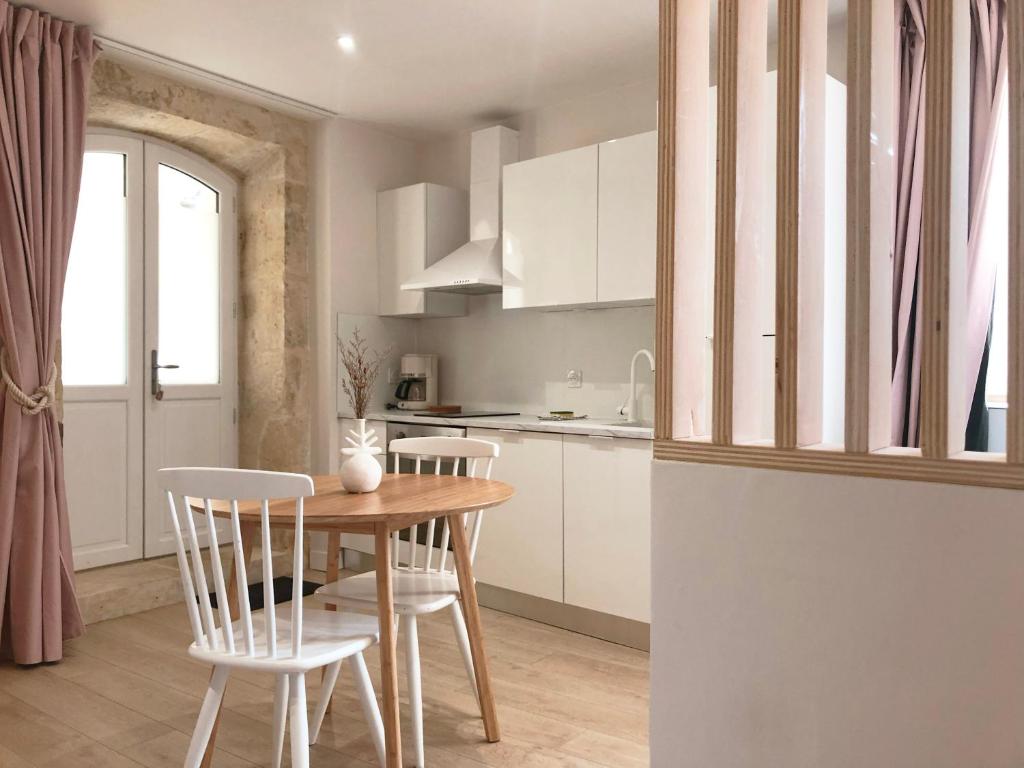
x=278, y=639
x=424, y=581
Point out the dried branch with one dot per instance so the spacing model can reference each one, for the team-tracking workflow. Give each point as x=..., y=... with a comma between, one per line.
x=362, y=365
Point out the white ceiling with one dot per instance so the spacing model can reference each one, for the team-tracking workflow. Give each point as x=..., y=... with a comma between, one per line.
x=420, y=65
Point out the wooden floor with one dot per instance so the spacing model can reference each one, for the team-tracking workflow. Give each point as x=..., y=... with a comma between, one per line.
x=127, y=695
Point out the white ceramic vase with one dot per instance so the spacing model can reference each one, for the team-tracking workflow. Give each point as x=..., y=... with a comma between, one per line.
x=360, y=470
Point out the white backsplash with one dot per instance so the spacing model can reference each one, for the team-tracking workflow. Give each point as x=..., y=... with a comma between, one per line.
x=518, y=359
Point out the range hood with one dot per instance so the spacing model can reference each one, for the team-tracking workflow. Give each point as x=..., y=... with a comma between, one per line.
x=472, y=268
x=475, y=267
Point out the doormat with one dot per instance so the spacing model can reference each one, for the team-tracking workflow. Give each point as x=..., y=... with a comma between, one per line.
x=282, y=592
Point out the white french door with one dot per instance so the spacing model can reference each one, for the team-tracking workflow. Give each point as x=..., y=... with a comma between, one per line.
x=148, y=340
x=190, y=412
x=191, y=268
x=101, y=351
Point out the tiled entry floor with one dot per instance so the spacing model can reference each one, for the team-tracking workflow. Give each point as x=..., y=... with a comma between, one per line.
x=127, y=696
x=127, y=588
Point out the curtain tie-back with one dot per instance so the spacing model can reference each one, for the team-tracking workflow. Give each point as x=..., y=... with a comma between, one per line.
x=37, y=402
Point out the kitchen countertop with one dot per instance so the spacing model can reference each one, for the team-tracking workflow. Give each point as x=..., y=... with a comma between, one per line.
x=526, y=423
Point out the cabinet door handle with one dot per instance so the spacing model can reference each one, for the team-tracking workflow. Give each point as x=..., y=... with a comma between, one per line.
x=600, y=437
x=510, y=431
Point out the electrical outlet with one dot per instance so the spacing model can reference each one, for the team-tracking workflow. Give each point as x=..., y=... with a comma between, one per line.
x=574, y=378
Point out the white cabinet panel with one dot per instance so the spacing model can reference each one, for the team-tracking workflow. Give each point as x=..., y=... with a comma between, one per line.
x=549, y=230
x=627, y=218
x=401, y=247
x=608, y=525
x=416, y=226
x=521, y=541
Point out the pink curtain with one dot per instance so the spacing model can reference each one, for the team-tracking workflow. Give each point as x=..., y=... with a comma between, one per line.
x=906, y=311
x=988, y=71
x=44, y=79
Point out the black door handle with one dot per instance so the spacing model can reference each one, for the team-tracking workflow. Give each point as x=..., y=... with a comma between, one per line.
x=154, y=374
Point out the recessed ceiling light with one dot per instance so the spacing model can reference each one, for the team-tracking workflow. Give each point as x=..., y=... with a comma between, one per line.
x=347, y=43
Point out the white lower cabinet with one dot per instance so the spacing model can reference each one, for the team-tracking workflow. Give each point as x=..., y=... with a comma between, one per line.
x=521, y=541
x=607, y=506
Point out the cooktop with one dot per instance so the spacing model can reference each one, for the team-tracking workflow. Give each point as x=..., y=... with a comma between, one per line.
x=467, y=414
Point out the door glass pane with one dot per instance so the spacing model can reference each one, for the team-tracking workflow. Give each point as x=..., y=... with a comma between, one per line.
x=94, y=328
x=189, y=279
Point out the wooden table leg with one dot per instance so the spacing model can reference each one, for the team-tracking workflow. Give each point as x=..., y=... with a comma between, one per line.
x=467, y=586
x=249, y=531
x=388, y=646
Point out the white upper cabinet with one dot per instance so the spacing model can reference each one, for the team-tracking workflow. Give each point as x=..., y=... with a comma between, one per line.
x=627, y=218
x=580, y=227
x=549, y=228
x=417, y=226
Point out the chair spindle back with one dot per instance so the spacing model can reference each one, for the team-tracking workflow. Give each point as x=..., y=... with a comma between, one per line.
x=191, y=487
x=479, y=456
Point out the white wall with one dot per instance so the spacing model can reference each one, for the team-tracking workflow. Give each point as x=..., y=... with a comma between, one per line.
x=623, y=111
x=519, y=359
x=834, y=622
x=362, y=161
x=352, y=162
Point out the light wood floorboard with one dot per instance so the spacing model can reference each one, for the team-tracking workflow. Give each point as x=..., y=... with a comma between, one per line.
x=127, y=695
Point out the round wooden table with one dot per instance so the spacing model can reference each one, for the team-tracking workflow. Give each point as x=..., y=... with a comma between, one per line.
x=401, y=501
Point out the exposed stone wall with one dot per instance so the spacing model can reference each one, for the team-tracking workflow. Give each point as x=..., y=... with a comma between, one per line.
x=268, y=153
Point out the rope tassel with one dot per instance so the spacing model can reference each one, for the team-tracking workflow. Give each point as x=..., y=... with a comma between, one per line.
x=40, y=400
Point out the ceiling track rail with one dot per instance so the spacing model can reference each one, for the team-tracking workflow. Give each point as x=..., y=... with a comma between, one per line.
x=294, y=106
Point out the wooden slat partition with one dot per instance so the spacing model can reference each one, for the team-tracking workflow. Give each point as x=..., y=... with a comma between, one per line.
x=870, y=202
x=977, y=470
x=742, y=54
x=690, y=247
x=1015, y=381
x=664, y=391
x=800, y=223
x=870, y=197
x=942, y=290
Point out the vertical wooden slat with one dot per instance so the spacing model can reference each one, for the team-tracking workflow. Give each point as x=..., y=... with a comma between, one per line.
x=787, y=223
x=800, y=222
x=664, y=343
x=742, y=55
x=1015, y=389
x=725, y=224
x=944, y=230
x=691, y=248
x=869, y=204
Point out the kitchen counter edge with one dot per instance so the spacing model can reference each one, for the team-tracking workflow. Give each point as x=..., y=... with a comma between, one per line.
x=593, y=427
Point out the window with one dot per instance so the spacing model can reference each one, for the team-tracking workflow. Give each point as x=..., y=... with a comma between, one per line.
x=95, y=293
x=189, y=282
